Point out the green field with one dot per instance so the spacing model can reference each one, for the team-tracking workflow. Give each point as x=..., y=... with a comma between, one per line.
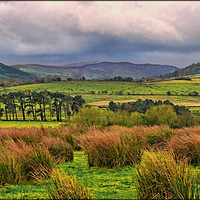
x=178, y=87
x=29, y=123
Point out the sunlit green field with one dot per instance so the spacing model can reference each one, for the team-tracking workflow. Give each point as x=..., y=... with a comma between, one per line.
x=29, y=123
x=85, y=87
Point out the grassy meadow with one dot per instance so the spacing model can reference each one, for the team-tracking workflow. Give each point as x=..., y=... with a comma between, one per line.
x=108, y=167
x=179, y=87
x=72, y=160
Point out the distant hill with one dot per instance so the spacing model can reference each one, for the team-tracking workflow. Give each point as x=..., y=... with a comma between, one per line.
x=10, y=72
x=98, y=71
x=189, y=70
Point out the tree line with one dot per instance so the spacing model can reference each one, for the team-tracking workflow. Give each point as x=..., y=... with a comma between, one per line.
x=38, y=104
x=142, y=106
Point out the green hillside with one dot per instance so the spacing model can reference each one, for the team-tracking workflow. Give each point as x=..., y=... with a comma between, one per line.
x=192, y=69
x=10, y=72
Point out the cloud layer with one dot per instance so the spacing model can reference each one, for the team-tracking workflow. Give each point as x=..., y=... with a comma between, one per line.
x=62, y=32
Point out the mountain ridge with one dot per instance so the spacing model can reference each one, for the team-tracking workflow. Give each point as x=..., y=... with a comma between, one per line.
x=100, y=70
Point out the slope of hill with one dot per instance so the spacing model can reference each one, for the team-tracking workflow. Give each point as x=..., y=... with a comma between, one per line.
x=10, y=72
x=189, y=70
x=100, y=70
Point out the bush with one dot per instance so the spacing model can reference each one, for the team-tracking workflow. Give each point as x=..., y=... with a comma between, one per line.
x=62, y=186
x=161, y=177
x=111, y=148
x=90, y=117
x=158, y=115
x=124, y=118
x=186, y=146
x=136, y=119
x=103, y=118
x=186, y=119
x=59, y=149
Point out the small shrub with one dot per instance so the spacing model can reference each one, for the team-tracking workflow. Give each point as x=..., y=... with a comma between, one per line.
x=186, y=146
x=59, y=149
x=161, y=177
x=62, y=186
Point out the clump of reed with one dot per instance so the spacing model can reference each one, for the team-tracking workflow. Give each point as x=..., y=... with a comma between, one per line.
x=10, y=168
x=157, y=137
x=63, y=186
x=61, y=150
x=111, y=148
x=21, y=162
x=186, y=146
x=161, y=177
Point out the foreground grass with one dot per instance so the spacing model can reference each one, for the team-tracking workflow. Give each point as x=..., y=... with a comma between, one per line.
x=116, y=183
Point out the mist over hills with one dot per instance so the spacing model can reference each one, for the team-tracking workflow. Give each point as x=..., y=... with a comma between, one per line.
x=100, y=70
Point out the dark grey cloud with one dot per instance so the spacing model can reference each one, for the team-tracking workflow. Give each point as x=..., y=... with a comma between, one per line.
x=63, y=32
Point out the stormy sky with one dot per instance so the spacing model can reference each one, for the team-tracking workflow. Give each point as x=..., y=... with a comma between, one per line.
x=58, y=33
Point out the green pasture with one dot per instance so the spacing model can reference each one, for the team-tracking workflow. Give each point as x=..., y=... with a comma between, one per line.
x=29, y=123
x=129, y=90
x=86, y=87
x=116, y=183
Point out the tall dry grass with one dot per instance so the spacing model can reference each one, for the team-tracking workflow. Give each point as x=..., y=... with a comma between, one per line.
x=62, y=151
x=30, y=135
x=154, y=137
x=161, y=177
x=10, y=168
x=111, y=148
x=63, y=186
x=157, y=137
x=186, y=146
x=33, y=158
